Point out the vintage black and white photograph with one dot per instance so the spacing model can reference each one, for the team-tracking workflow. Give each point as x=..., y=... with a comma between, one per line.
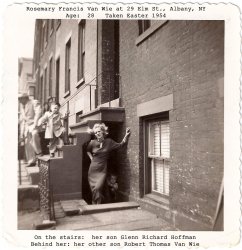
x=121, y=126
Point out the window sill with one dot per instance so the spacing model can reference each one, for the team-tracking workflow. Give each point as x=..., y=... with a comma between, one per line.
x=149, y=32
x=80, y=83
x=158, y=198
x=161, y=158
x=67, y=93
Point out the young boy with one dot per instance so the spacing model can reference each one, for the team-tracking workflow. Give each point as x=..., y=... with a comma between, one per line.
x=113, y=187
x=54, y=127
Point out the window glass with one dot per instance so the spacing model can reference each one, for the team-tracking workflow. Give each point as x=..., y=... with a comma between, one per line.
x=159, y=154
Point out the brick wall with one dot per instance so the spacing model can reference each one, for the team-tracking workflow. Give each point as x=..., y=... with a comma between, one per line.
x=183, y=58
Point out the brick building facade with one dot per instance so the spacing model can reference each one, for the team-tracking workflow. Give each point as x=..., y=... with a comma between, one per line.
x=164, y=80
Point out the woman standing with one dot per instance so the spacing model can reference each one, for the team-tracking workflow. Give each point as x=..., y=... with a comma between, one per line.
x=99, y=150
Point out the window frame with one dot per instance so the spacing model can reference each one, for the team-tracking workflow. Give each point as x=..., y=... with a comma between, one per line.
x=81, y=53
x=164, y=116
x=33, y=90
x=57, y=78
x=67, y=67
x=149, y=31
x=45, y=84
x=50, y=76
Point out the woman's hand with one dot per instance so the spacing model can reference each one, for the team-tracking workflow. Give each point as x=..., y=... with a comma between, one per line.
x=127, y=132
x=90, y=155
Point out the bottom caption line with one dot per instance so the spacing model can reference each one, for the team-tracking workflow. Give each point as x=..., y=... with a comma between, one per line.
x=114, y=241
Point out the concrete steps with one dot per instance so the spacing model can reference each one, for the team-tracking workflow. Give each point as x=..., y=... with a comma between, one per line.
x=33, y=173
x=28, y=197
x=59, y=212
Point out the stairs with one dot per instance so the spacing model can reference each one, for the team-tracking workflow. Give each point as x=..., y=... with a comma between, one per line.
x=28, y=192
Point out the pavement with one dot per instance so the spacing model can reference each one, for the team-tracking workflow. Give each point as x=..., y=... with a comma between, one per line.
x=125, y=220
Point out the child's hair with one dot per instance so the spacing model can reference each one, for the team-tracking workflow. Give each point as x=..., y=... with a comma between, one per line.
x=55, y=103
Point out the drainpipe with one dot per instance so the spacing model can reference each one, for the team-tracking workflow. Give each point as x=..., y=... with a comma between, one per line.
x=96, y=96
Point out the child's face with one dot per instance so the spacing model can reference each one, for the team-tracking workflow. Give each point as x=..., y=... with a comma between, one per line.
x=113, y=179
x=55, y=109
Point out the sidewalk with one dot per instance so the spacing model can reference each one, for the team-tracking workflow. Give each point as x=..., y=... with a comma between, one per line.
x=125, y=220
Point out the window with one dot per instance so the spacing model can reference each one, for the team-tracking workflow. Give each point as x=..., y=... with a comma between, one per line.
x=68, y=66
x=45, y=85
x=32, y=91
x=78, y=116
x=81, y=51
x=146, y=28
x=57, y=79
x=41, y=89
x=143, y=25
x=158, y=156
x=50, y=76
x=42, y=38
x=51, y=25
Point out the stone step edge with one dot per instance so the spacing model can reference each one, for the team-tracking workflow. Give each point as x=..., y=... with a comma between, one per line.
x=46, y=224
x=72, y=207
x=91, y=209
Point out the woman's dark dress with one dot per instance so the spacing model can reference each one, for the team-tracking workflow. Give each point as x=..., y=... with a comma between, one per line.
x=98, y=168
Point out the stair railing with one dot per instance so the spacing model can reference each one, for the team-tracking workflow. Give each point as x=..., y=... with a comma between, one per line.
x=46, y=190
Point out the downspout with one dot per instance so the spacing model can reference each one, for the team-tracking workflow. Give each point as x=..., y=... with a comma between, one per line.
x=96, y=90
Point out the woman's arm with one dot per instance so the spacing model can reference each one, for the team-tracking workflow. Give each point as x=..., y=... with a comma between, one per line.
x=116, y=145
x=90, y=155
x=89, y=150
x=126, y=135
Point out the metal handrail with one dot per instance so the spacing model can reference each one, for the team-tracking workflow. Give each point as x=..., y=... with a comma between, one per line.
x=99, y=88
